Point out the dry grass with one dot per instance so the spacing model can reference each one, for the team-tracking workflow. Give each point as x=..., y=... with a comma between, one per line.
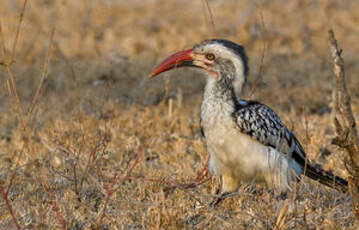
x=102, y=133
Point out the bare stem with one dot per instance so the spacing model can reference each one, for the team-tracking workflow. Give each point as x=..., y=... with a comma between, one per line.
x=3, y=50
x=43, y=76
x=261, y=66
x=9, y=207
x=18, y=31
x=16, y=94
x=55, y=208
x=112, y=189
x=347, y=136
x=211, y=18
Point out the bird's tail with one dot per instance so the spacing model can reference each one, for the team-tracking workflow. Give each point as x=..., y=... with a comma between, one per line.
x=327, y=178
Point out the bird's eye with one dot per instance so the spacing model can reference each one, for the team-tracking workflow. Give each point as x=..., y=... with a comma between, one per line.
x=210, y=56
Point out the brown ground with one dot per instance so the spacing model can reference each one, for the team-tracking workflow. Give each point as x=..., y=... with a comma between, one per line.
x=97, y=112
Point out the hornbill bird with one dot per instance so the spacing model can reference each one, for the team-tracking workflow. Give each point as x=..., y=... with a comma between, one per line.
x=246, y=140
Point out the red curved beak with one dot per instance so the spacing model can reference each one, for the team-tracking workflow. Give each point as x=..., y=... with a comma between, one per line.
x=179, y=59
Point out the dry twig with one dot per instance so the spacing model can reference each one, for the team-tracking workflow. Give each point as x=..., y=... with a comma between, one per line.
x=18, y=32
x=55, y=207
x=347, y=136
x=215, y=33
x=9, y=207
x=43, y=76
x=261, y=66
x=112, y=189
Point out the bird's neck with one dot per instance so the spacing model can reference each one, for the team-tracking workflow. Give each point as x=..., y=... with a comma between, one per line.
x=222, y=89
x=219, y=96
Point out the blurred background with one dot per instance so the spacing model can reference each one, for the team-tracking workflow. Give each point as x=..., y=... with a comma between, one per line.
x=97, y=86
x=120, y=41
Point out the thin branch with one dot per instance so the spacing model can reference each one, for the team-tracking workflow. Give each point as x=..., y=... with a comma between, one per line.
x=109, y=193
x=12, y=84
x=260, y=72
x=343, y=101
x=11, y=182
x=129, y=171
x=16, y=94
x=9, y=207
x=43, y=76
x=111, y=190
x=55, y=208
x=18, y=31
x=261, y=66
x=347, y=136
x=3, y=50
x=211, y=18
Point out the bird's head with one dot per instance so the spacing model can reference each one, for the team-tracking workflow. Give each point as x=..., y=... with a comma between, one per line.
x=223, y=60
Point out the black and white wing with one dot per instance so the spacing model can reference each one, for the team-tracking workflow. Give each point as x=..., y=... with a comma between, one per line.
x=262, y=124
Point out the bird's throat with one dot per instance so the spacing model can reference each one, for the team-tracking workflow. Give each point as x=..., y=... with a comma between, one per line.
x=220, y=90
x=219, y=98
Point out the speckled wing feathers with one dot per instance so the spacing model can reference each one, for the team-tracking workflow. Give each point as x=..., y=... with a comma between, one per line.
x=264, y=125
